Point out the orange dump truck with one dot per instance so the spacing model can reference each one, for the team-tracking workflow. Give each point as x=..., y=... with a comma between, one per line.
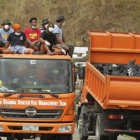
x=36, y=97
x=110, y=105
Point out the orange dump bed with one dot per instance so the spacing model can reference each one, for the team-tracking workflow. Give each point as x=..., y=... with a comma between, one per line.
x=113, y=92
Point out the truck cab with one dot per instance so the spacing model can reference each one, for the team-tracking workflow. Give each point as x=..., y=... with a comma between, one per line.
x=36, y=96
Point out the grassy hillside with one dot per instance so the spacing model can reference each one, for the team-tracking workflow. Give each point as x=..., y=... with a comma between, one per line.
x=81, y=15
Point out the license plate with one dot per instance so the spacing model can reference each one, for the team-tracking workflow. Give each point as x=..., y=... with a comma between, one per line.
x=30, y=128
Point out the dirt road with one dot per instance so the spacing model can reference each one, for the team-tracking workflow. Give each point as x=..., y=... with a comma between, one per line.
x=76, y=137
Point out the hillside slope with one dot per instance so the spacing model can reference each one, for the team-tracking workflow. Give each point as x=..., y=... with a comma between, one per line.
x=81, y=15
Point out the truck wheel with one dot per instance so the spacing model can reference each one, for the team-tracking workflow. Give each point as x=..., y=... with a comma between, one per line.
x=113, y=137
x=82, y=124
x=98, y=130
x=137, y=138
x=10, y=138
x=65, y=137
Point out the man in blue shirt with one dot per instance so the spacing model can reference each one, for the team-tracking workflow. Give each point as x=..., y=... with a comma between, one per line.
x=5, y=31
x=60, y=21
x=16, y=42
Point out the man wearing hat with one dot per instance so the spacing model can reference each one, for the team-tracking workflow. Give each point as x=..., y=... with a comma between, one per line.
x=60, y=21
x=45, y=23
x=5, y=31
x=16, y=42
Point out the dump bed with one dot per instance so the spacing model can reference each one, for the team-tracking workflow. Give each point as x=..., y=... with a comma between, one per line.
x=114, y=92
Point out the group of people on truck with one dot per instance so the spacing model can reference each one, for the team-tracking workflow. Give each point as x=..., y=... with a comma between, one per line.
x=47, y=40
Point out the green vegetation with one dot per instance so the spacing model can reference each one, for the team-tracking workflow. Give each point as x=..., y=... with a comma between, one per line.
x=81, y=16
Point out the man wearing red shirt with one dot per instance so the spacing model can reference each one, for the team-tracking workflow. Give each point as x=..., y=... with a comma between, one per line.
x=33, y=34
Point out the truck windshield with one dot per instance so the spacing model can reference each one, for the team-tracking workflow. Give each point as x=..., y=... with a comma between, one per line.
x=36, y=76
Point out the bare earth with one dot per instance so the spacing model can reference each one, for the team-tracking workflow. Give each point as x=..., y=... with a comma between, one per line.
x=76, y=137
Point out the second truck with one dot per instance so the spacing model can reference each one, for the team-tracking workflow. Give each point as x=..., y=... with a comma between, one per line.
x=110, y=104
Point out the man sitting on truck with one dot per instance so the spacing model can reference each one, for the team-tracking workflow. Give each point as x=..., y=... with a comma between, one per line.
x=33, y=34
x=49, y=40
x=45, y=23
x=17, y=40
x=5, y=31
x=60, y=21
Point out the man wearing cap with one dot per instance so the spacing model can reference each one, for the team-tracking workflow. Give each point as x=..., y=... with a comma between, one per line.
x=45, y=23
x=5, y=31
x=60, y=21
x=16, y=42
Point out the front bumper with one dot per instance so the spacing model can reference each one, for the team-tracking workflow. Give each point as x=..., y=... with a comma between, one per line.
x=46, y=128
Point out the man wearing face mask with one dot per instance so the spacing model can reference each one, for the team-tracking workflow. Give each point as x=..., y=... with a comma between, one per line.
x=45, y=23
x=5, y=31
x=60, y=21
x=16, y=42
x=33, y=34
x=48, y=40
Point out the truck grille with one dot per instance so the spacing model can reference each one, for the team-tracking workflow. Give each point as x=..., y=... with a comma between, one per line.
x=21, y=128
x=41, y=114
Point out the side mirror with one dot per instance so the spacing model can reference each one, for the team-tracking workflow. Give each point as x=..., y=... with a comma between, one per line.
x=81, y=72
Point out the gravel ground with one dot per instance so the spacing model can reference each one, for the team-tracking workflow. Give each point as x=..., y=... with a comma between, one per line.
x=76, y=137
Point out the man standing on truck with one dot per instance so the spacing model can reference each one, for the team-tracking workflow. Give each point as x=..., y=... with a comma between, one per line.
x=45, y=23
x=5, y=31
x=33, y=34
x=17, y=40
x=60, y=21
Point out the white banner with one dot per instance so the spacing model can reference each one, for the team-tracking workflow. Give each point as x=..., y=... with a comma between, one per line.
x=32, y=102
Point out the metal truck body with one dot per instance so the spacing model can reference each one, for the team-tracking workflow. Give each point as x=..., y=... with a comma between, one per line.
x=36, y=96
x=110, y=105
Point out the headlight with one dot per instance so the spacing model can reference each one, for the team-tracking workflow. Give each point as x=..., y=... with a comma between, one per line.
x=67, y=128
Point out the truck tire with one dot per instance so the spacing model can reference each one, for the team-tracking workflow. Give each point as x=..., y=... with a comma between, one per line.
x=10, y=138
x=98, y=130
x=65, y=137
x=82, y=125
x=113, y=137
x=137, y=138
